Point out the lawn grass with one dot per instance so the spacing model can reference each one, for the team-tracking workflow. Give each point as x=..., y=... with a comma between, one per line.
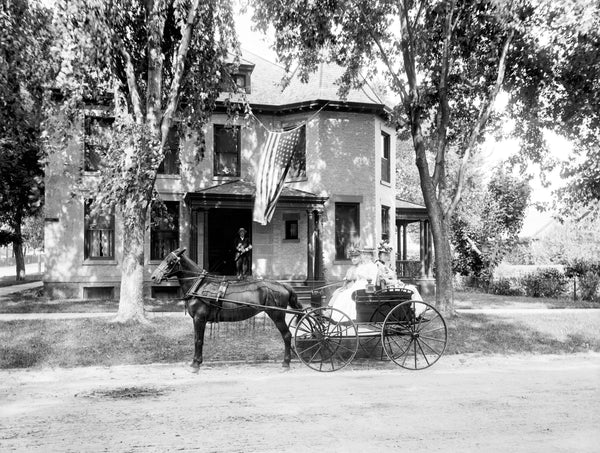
x=477, y=299
x=97, y=341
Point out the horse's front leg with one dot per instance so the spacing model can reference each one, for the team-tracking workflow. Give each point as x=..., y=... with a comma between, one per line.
x=199, y=327
x=279, y=320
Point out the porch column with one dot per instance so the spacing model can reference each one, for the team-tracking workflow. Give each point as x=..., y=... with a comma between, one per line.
x=204, y=214
x=422, y=247
x=194, y=235
x=318, y=245
x=404, y=242
x=310, y=245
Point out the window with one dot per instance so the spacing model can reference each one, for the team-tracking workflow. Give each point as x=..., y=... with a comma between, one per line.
x=99, y=236
x=297, y=171
x=170, y=163
x=164, y=230
x=242, y=81
x=227, y=150
x=97, y=135
x=347, y=229
x=385, y=157
x=291, y=229
x=385, y=223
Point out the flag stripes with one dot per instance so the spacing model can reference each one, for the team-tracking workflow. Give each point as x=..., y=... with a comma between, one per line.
x=273, y=168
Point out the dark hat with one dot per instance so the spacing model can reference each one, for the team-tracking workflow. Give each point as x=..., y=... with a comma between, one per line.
x=242, y=230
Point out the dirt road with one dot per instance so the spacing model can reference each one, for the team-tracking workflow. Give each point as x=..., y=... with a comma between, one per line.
x=464, y=403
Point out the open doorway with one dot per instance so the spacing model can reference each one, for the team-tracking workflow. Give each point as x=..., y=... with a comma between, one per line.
x=223, y=226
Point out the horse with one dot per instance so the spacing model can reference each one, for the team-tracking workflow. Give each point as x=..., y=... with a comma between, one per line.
x=259, y=294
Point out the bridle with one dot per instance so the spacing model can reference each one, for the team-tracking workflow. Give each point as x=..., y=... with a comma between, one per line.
x=171, y=265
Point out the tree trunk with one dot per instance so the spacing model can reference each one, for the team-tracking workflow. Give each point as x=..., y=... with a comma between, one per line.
x=19, y=259
x=18, y=249
x=443, y=262
x=443, y=257
x=131, y=300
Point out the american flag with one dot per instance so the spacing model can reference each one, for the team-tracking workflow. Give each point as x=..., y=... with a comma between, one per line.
x=272, y=169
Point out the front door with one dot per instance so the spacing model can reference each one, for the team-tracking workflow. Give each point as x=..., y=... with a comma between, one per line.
x=223, y=226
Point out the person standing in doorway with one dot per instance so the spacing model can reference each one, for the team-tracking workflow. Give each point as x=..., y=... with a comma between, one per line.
x=242, y=249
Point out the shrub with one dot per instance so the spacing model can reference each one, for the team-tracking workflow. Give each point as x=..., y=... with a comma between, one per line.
x=503, y=287
x=544, y=283
x=588, y=274
x=588, y=286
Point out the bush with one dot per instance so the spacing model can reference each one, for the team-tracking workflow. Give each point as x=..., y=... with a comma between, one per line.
x=588, y=274
x=588, y=286
x=503, y=287
x=544, y=283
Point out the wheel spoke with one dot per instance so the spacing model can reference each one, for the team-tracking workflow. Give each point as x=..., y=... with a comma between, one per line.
x=315, y=354
x=422, y=352
x=316, y=345
x=433, y=350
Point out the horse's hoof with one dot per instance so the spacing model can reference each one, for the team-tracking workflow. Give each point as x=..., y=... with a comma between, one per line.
x=285, y=369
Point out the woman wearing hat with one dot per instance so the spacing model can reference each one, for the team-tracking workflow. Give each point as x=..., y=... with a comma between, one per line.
x=242, y=248
x=386, y=276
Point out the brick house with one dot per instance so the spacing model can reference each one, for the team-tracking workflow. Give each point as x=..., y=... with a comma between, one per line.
x=340, y=193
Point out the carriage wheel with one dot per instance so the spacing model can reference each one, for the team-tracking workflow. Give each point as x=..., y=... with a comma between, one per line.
x=414, y=335
x=326, y=339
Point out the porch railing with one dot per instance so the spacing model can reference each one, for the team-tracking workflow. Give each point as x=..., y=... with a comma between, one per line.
x=408, y=268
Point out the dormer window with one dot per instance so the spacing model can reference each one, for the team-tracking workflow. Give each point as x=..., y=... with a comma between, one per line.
x=242, y=81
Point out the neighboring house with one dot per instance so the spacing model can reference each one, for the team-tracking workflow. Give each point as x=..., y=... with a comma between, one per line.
x=340, y=192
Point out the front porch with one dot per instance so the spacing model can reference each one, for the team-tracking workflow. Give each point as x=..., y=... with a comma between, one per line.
x=288, y=248
x=418, y=272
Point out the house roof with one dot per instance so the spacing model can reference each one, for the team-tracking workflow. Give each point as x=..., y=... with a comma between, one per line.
x=407, y=210
x=405, y=204
x=241, y=193
x=321, y=88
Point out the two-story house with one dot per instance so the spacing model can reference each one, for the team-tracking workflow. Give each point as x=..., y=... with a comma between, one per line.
x=340, y=192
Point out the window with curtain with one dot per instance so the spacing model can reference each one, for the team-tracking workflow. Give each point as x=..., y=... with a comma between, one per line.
x=99, y=236
x=164, y=230
x=227, y=147
x=385, y=157
x=347, y=229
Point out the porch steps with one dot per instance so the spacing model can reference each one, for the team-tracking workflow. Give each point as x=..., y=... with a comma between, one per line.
x=303, y=290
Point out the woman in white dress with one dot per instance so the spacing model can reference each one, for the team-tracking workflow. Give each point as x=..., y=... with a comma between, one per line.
x=342, y=297
x=362, y=272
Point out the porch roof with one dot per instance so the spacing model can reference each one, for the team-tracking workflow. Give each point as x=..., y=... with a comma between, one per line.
x=240, y=194
x=407, y=210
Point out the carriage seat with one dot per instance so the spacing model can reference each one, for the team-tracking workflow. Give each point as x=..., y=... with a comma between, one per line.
x=373, y=306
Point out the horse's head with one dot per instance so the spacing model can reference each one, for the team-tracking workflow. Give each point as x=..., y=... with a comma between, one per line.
x=169, y=266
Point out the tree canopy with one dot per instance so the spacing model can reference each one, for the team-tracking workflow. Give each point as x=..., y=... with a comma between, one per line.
x=153, y=65
x=486, y=225
x=25, y=39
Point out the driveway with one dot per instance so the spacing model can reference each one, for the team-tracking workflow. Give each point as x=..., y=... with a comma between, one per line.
x=462, y=404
